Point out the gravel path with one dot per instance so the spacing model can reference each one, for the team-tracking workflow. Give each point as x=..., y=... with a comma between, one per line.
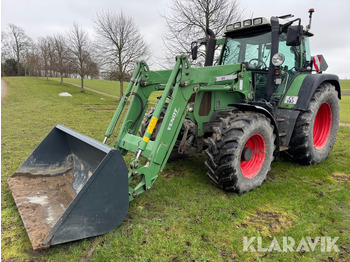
x=344, y=124
x=3, y=89
x=101, y=93
x=92, y=90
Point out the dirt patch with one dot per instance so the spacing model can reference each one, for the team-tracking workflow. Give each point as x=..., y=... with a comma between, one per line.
x=41, y=201
x=344, y=124
x=97, y=242
x=341, y=177
x=104, y=110
x=173, y=173
x=100, y=107
x=269, y=222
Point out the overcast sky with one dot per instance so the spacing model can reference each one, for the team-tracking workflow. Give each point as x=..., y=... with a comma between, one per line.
x=330, y=23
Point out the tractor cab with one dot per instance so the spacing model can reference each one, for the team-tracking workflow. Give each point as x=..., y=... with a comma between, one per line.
x=274, y=50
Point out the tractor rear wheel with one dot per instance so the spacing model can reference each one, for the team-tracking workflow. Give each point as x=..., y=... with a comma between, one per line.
x=240, y=151
x=316, y=129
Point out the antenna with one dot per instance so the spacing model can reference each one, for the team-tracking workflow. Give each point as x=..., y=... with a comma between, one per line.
x=311, y=10
x=285, y=16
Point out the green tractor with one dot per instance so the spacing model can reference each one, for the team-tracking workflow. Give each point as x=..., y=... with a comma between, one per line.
x=265, y=96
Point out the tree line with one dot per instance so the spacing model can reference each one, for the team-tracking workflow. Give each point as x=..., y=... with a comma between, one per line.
x=112, y=56
x=118, y=43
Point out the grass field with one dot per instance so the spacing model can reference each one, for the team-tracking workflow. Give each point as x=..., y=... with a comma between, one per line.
x=184, y=217
x=345, y=101
x=345, y=85
x=105, y=86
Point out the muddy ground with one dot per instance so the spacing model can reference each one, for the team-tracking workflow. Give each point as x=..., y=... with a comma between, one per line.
x=41, y=201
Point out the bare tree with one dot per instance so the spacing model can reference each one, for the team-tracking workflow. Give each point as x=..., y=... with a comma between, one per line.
x=79, y=45
x=32, y=60
x=4, y=53
x=17, y=42
x=61, y=55
x=121, y=43
x=44, y=47
x=52, y=56
x=92, y=68
x=5, y=47
x=189, y=19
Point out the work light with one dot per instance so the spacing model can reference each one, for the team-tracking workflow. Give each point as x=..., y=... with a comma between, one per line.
x=257, y=21
x=237, y=25
x=247, y=22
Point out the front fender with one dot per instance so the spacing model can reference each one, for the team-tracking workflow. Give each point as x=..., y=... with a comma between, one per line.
x=264, y=111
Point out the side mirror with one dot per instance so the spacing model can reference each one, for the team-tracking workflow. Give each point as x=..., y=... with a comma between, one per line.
x=194, y=50
x=294, y=35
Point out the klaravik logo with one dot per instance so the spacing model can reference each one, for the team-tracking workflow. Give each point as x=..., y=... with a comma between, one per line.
x=289, y=244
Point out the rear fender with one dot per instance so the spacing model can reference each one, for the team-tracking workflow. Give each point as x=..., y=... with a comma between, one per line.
x=309, y=86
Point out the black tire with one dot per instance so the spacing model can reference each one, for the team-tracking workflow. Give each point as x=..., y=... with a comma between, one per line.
x=226, y=150
x=312, y=141
x=147, y=119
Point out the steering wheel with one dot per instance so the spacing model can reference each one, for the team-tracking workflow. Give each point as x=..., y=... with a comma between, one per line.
x=258, y=66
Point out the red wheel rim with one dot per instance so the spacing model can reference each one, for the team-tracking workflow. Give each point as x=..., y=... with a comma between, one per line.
x=251, y=167
x=322, y=126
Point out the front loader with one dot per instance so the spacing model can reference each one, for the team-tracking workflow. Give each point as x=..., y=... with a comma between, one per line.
x=264, y=97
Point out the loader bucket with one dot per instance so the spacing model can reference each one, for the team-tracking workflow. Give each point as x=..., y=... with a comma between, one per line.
x=71, y=187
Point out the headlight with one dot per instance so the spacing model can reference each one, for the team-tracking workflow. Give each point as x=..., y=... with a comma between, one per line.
x=278, y=59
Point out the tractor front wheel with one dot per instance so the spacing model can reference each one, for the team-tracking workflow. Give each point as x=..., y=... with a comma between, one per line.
x=316, y=129
x=240, y=151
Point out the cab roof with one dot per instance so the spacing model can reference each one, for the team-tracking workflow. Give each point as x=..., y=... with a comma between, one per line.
x=255, y=25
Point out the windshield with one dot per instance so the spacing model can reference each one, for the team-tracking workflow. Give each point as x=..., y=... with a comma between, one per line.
x=253, y=49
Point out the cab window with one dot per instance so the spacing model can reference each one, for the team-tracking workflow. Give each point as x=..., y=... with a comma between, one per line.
x=254, y=50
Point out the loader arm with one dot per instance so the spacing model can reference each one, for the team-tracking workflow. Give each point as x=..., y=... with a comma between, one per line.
x=178, y=86
x=155, y=153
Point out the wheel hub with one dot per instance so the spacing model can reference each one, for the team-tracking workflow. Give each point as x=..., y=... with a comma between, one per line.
x=247, y=154
x=253, y=155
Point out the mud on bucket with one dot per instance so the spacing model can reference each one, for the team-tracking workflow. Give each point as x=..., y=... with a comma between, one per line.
x=71, y=187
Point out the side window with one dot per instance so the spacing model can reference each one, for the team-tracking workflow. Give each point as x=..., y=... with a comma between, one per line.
x=291, y=53
x=307, y=49
x=231, y=52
